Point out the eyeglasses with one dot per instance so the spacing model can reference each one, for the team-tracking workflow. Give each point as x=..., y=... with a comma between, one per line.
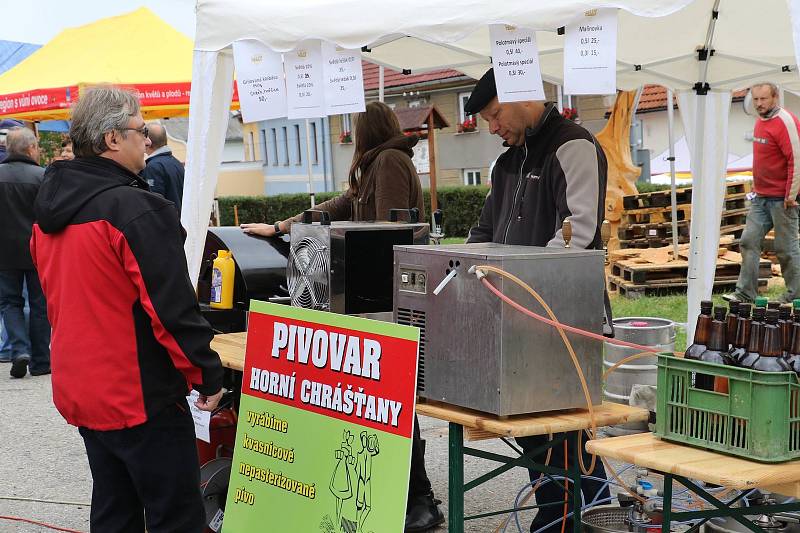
x=143, y=130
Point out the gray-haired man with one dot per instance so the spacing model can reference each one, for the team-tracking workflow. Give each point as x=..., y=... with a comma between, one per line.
x=20, y=179
x=128, y=337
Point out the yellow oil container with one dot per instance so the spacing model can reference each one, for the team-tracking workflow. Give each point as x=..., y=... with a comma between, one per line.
x=222, y=281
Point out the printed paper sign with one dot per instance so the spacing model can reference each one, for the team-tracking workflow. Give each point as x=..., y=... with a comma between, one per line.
x=304, y=75
x=515, y=58
x=323, y=442
x=343, y=80
x=590, y=53
x=260, y=81
x=202, y=419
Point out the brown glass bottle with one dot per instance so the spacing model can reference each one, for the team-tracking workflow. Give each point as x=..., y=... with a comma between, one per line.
x=717, y=347
x=785, y=325
x=771, y=359
x=733, y=314
x=742, y=339
x=702, y=331
x=756, y=335
x=793, y=357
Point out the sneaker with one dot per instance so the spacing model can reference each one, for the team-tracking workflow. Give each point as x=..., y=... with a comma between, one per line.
x=736, y=297
x=42, y=372
x=19, y=367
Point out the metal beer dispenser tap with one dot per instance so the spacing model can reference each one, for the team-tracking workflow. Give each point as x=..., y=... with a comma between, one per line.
x=605, y=236
x=566, y=232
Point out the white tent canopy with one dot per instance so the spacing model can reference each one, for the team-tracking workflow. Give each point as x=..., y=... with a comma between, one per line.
x=418, y=35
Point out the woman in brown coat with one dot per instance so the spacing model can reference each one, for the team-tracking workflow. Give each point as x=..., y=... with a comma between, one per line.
x=382, y=176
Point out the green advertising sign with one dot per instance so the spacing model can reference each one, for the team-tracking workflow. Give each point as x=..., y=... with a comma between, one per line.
x=323, y=442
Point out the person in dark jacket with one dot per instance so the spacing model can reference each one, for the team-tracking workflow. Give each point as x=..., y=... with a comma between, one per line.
x=382, y=177
x=20, y=179
x=553, y=169
x=128, y=337
x=163, y=173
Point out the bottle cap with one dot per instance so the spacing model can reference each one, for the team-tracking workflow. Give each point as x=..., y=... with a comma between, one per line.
x=744, y=310
x=758, y=313
x=773, y=305
x=719, y=313
x=733, y=306
x=706, y=306
x=761, y=301
x=772, y=315
x=785, y=311
x=796, y=303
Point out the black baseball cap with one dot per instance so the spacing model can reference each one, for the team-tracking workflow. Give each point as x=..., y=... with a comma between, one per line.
x=482, y=94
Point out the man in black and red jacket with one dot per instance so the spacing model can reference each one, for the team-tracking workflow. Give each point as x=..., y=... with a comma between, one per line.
x=128, y=339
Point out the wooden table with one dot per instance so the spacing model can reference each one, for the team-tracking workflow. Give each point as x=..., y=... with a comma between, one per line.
x=683, y=463
x=481, y=426
x=231, y=347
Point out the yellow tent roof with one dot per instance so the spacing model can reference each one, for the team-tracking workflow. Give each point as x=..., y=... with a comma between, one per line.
x=137, y=50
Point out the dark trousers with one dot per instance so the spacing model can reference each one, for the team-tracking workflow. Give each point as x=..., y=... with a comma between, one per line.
x=34, y=338
x=418, y=483
x=146, y=475
x=552, y=492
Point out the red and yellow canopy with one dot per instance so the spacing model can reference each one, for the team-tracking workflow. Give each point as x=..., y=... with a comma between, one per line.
x=136, y=50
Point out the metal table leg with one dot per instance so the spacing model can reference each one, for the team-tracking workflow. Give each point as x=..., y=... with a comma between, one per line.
x=574, y=473
x=455, y=489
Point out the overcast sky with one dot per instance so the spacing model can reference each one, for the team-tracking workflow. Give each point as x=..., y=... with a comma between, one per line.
x=38, y=21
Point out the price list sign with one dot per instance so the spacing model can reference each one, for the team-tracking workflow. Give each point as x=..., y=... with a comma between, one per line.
x=304, y=81
x=515, y=58
x=343, y=79
x=259, y=75
x=590, y=53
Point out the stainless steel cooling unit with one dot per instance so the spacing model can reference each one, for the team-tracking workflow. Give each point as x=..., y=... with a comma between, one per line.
x=480, y=353
x=346, y=267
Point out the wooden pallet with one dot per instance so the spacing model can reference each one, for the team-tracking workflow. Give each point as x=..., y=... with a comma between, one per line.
x=660, y=215
x=646, y=273
x=657, y=199
x=682, y=196
x=633, y=290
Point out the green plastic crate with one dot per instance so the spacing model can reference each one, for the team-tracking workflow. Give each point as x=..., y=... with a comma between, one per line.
x=759, y=418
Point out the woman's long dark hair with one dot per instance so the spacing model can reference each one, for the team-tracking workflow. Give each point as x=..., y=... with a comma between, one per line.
x=376, y=125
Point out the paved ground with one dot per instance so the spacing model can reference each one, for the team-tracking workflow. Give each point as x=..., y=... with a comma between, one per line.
x=43, y=458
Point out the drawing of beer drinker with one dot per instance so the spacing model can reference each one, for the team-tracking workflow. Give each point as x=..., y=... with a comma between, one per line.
x=353, y=471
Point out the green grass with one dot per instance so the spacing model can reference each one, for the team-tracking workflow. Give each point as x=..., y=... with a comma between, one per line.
x=454, y=240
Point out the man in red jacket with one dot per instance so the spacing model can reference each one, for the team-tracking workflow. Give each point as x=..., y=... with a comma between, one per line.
x=776, y=184
x=128, y=338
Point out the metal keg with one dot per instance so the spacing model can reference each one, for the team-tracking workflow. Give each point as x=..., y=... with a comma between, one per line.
x=656, y=333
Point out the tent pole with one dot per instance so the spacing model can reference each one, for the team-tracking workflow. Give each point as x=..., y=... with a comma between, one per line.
x=380, y=84
x=560, y=98
x=671, y=158
x=308, y=165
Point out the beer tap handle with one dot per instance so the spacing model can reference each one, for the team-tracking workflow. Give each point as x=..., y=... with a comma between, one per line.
x=566, y=232
x=605, y=236
x=437, y=221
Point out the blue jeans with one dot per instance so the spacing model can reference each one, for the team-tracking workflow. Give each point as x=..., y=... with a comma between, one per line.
x=765, y=214
x=5, y=346
x=12, y=303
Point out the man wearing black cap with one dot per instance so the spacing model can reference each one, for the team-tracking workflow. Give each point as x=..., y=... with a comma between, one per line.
x=553, y=169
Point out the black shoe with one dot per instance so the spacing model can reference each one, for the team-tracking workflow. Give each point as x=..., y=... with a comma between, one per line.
x=423, y=514
x=43, y=372
x=19, y=367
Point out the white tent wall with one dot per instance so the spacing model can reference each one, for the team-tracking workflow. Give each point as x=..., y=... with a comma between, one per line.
x=677, y=43
x=209, y=108
x=705, y=121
